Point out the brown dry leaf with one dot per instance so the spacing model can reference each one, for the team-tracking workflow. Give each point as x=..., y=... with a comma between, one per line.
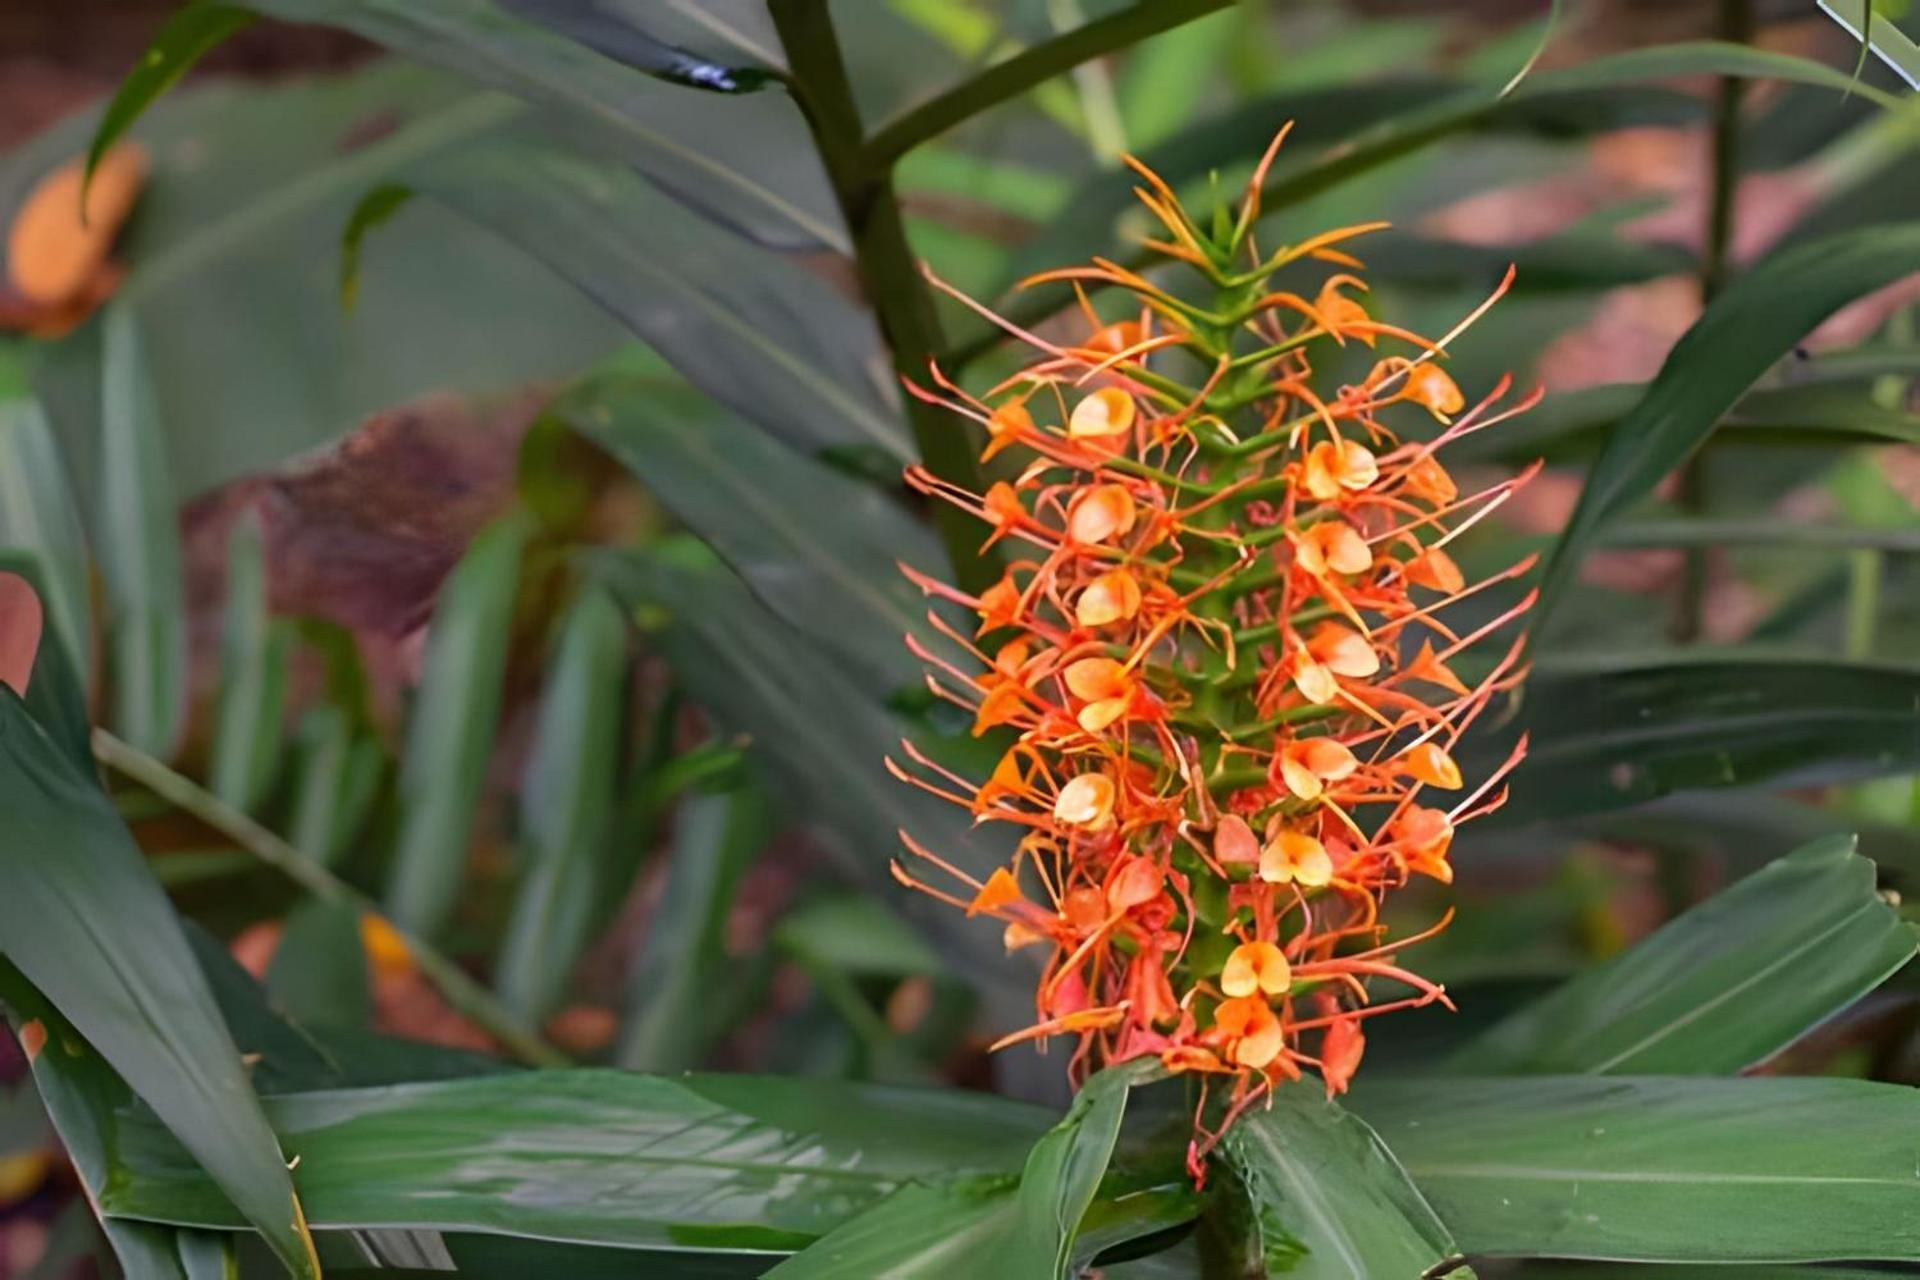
x=54, y=252
x=21, y=619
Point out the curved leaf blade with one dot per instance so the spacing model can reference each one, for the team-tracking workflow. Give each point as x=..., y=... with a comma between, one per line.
x=450, y=734
x=187, y=37
x=38, y=515
x=1753, y=323
x=1719, y=987
x=253, y=678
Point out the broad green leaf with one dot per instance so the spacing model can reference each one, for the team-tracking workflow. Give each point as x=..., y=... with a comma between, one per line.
x=740, y=159
x=821, y=549
x=1064, y=1171
x=336, y=777
x=253, y=677
x=208, y=1255
x=139, y=543
x=1721, y=986
x=319, y=971
x=188, y=35
x=854, y=934
x=1609, y=733
x=1750, y=325
x=85, y=922
x=1652, y=1169
x=1329, y=1200
x=81, y=1095
x=601, y=1157
x=682, y=979
x=38, y=515
x=566, y=808
x=748, y=327
x=1879, y=33
x=921, y=1232
x=450, y=729
x=54, y=697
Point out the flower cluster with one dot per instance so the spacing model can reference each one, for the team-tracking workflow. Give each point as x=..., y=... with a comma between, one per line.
x=1220, y=654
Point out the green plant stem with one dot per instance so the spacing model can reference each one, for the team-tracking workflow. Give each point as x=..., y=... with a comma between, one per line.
x=1010, y=79
x=1735, y=21
x=466, y=995
x=888, y=269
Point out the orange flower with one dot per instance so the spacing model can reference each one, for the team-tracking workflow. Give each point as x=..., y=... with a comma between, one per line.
x=1103, y=512
x=1337, y=467
x=1256, y=966
x=1087, y=801
x=1294, y=857
x=1112, y=597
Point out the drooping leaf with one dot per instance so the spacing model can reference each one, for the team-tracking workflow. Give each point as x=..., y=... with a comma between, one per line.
x=682, y=979
x=187, y=36
x=129, y=985
x=1749, y=326
x=1653, y=1169
x=602, y=1157
x=566, y=807
x=820, y=548
x=748, y=327
x=253, y=678
x=38, y=515
x=1720, y=987
x=450, y=732
x=139, y=543
x=377, y=207
x=1609, y=733
x=1329, y=1200
x=1064, y=1171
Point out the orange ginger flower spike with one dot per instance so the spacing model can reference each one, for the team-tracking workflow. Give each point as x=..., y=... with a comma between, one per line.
x=1228, y=671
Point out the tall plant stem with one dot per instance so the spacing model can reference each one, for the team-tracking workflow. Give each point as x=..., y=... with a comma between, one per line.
x=467, y=996
x=888, y=270
x=1735, y=21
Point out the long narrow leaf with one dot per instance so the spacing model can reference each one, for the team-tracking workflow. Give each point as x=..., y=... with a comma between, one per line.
x=253, y=678
x=37, y=514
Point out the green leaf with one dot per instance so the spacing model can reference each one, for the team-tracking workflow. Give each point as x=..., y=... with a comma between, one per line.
x=566, y=808
x=208, y=1255
x=37, y=514
x=920, y=1232
x=1609, y=733
x=450, y=731
x=319, y=971
x=336, y=777
x=253, y=677
x=54, y=696
x=854, y=934
x=1329, y=1200
x=187, y=36
x=1753, y=323
x=1892, y=45
x=1064, y=1171
x=739, y=159
x=821, y=549
x=81, y=1095
x=749, y=327
x=682, y=976
x=87, y=925
x=375, y=209
x=623, y=36
x=1721, y=986
x=601, y=1157
x=1650, y=1169
x=139, y=542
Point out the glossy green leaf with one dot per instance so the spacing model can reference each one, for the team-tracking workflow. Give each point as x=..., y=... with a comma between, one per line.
x=318, y=975
x=1721, y=986
x=208, y=1255
x=820, y=548
x=740, y=159
x=1329, y=1200
x=1655, y=1169
x=54, y=696
x=1749, y=326
x=921, y=1232
x=450, y=730
x=133, y=990
x=1608, y=733
x=621, y=32
x=749, y=327
x=602, y=1157
x=37, y=514
x=1880, y=34
x=567, y=807
x=187, y=37
x=682, y=977
x=138, y=537
x=253, y=678
x=336, y=777
x=81, y=1094
x=1064, y=1171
